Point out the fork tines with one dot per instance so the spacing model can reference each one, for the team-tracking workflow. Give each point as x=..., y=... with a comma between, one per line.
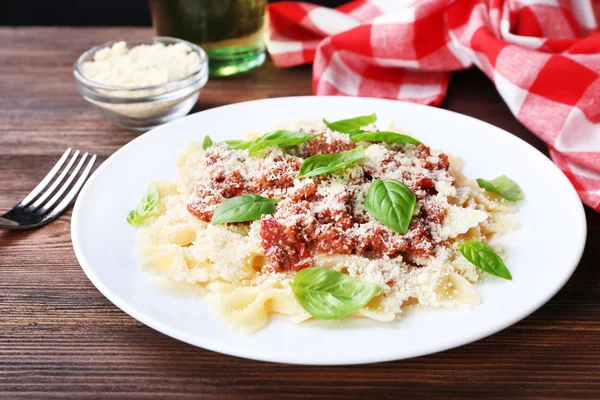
x=48, y=198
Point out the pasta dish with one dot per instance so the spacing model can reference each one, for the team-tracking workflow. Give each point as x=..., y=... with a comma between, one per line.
x=324, y=220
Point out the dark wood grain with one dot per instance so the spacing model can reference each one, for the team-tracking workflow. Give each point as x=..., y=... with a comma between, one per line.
x=60, y=338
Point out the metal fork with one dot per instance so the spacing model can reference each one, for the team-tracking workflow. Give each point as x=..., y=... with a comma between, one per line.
x=48, y=200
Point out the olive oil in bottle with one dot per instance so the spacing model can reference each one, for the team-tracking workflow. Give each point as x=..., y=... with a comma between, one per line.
x=230, y=31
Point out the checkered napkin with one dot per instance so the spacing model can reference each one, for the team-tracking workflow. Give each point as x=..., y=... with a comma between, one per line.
x=543, y=56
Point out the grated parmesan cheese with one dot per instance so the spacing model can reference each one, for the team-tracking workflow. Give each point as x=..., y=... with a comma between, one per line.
x=144, y=65
x=141, y=67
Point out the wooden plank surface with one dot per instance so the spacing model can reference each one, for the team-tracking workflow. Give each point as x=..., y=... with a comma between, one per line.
x=60, y=338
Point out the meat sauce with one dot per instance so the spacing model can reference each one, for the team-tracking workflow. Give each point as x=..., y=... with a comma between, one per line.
x=296, y=231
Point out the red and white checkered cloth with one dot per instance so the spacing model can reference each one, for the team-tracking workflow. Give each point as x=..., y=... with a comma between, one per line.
x=543, y=56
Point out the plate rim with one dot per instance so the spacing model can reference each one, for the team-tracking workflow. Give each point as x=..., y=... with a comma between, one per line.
x=232, y=349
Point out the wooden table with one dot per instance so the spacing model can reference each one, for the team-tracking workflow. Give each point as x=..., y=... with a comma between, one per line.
x=59, y=337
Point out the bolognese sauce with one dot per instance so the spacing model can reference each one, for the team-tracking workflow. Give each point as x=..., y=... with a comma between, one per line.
x=326, y=214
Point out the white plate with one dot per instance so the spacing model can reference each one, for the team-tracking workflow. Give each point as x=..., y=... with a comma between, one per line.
x=542, y=254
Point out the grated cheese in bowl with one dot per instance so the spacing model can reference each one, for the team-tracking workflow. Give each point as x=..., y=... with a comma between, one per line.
x=145, y=83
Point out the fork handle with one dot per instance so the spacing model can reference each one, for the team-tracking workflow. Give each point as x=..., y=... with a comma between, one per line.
x=7, y=223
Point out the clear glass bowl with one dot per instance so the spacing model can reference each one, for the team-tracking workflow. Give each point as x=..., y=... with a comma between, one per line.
x=143, y=108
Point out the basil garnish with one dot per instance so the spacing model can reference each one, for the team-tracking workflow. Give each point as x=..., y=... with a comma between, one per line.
x=392, y=203
x=146, y=204
x=388, y=137
x=351, y=124
x=239, y=144
x=279, y=138
x=328, y=294
x=485, y=258
x=504, y=186
x=247, y=207
x=326, y=163
x=207, y=142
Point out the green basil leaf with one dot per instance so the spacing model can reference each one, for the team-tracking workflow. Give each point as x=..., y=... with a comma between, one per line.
x=328, y=294
x=485, y=258
x=279, y=138
x=351, y=124
x=326, y=163
x=146, y=204
x=392, y=203
x=239, y=144
x=504, y=186
x=207, y=142
x=247, y=207
x=384, y=136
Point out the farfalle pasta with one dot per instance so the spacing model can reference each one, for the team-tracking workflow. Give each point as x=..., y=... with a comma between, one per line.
x=320, y=221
